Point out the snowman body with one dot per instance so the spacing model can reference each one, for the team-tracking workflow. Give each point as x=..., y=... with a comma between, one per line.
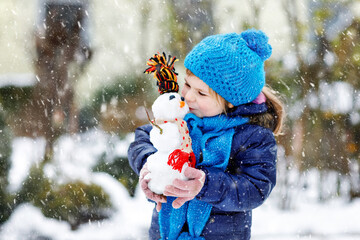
x=169, y=108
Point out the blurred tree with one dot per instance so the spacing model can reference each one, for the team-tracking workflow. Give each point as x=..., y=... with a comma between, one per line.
x=253, y=20
x=62, y=51
x=48, y=110
x=346, y=48
x=186, y=24
x=320, y=135
x=145, y=9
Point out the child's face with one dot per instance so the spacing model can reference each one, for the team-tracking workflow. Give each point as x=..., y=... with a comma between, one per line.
x=198, y=97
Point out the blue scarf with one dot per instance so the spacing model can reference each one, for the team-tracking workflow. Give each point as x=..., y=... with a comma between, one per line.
x=211, y=136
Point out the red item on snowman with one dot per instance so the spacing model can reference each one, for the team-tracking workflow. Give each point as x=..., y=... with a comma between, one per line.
x=170, y=135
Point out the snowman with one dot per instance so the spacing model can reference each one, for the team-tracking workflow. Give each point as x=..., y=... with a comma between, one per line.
x=169, y=135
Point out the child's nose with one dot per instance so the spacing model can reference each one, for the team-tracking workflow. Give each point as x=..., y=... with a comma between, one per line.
x=189, y=96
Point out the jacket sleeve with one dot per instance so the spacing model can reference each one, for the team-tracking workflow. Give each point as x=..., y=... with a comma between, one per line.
x=141, y=148
x=250, y=176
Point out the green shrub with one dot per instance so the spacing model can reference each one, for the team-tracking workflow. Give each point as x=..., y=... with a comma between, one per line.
x=74, y=202
x=118, y=103
x=35, y=188
x=77, y=203
x=13, y=98
x=120, y=169
x=124, y=89
x=88, y=118
x=5, y=151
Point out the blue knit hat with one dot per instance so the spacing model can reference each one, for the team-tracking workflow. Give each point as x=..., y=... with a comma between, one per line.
x=232, y=64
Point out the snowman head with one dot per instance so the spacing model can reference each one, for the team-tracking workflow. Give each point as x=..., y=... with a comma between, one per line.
x=169, y=106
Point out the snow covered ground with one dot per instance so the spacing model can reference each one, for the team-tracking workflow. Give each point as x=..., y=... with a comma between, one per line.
x=333, y=221
x=308, y=219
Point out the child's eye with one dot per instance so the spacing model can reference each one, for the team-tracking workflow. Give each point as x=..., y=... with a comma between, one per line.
x=202, y=94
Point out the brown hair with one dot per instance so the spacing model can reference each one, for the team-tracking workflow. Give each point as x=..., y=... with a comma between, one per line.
x=273, y=118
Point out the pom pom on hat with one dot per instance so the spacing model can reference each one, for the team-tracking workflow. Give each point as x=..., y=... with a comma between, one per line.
x=232, y=64
x=258, y=42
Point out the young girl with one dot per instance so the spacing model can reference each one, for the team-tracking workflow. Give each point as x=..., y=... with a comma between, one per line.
x=232, y=122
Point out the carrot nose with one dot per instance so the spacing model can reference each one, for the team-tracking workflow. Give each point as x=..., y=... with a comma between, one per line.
x=182, y=104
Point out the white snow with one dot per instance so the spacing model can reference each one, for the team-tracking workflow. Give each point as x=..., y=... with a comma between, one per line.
x=130, y=219
x=334, y=220
x=290, y=61
x=17, y=80
x=76, y=155
x=25, y=153
x=337, y=97
x=307, y=218
x=74, y=161
x=26, y=222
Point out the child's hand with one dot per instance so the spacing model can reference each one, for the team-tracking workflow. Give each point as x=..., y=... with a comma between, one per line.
x=186, y=190
x=148, y=193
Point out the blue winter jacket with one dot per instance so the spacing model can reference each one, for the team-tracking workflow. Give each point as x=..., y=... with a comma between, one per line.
x=246, y=183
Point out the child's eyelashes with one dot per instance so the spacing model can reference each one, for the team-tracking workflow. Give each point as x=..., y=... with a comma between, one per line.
x=199, y=91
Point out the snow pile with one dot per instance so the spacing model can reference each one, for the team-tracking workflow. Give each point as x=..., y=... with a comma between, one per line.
x=27, y=222
x=17, y=80
x=336, y=219
x=130, y=220
x=74, y=158
x=25, y=153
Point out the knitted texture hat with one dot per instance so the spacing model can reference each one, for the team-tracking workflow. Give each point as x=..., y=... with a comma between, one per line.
x=232, y=64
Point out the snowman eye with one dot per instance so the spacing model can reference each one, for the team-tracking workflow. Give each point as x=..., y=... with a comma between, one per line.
x=171, y=97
